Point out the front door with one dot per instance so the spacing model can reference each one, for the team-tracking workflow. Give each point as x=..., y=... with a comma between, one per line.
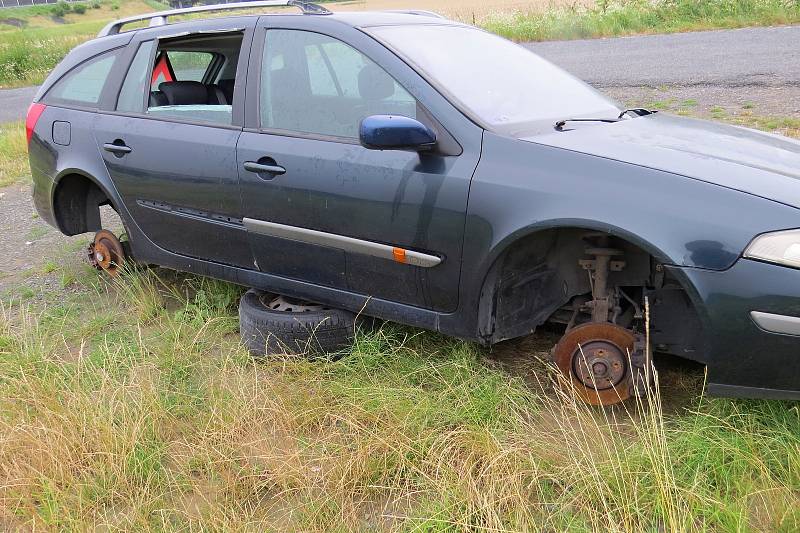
x=321, y=208
x=170, y=147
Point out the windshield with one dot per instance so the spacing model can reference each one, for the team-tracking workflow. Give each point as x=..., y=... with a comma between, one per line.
x=502, y=85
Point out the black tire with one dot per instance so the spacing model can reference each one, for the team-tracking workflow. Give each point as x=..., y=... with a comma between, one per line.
x=313, y=333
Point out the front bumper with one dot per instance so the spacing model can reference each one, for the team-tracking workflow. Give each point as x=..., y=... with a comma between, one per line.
x=750, y=313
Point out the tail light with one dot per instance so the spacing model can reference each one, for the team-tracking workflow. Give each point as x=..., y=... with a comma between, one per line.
x=34, y=112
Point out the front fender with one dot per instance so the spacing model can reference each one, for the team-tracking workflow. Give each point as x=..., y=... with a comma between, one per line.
x=520, y=188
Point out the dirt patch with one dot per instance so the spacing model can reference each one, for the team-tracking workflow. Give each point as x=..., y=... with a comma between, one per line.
x=28, y=244
x=11, y=21
x=704, y=100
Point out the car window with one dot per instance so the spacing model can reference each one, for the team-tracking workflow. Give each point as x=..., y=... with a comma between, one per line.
x=131, y=96
x=316, y=84
x=502, y=84
x=189, y=65
x=179, y=87
x=84, y=84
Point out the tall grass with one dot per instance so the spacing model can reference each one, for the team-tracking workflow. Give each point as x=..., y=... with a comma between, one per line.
x=158, y=420
x=27, y=56
x=624, y=17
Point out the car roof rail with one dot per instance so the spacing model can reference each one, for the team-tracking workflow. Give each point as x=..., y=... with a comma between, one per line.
x=421, y=12
x=160, y=18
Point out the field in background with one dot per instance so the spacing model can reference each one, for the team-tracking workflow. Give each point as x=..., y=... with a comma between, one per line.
x=470, y=11
x=32, y=41
x=608, y=18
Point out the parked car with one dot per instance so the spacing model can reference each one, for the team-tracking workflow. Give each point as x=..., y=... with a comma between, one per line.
x=411, y=168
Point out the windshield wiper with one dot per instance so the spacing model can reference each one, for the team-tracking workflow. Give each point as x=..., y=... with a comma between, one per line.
x=638, y=111
x=561, y=123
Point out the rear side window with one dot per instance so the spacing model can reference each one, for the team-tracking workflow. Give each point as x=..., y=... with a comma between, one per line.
x=131, y=96
x=84, y=84
x=193, y=78
x=189, y=66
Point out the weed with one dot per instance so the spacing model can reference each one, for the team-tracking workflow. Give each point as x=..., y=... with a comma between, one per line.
x=60, y=9
x=37, y=232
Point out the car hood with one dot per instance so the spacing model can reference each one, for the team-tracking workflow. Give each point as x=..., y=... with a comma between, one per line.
x=746, y=160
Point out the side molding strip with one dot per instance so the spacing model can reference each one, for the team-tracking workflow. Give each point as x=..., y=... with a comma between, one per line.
x=348, y=244
x=785, y=325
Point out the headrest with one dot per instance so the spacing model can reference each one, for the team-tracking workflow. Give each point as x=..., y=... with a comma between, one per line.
x=184, y=92
x=157, y=99
x=226, y=85
x=374, y=83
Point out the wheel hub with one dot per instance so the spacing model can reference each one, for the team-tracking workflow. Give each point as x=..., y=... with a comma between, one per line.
x=594, y=358
x=289, y=305
x=599, y=364
x=106, y=253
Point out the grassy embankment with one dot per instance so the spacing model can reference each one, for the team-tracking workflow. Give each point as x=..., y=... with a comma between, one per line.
x=34, y=39
x=608, y=18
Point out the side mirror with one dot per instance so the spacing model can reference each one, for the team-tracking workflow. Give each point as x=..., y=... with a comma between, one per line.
x=395, y=132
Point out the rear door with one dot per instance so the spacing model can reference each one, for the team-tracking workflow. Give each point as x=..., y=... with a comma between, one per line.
x=310, y=85
x=174, y=162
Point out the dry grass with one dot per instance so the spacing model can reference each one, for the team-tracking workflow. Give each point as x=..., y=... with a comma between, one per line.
x=13, y=153
x=158, y=421
x=470, y=11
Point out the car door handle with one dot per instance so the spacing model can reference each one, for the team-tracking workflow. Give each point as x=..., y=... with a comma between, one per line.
x=261, y=168
x=118, y=149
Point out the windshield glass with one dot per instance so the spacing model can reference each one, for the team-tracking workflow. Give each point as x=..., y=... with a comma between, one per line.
x=502, y=85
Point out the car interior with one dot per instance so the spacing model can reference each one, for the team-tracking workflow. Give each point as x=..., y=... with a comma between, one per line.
x=193, y=77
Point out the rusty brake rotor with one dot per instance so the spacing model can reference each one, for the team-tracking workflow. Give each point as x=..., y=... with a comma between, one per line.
x=594, y=358
x=106, y=252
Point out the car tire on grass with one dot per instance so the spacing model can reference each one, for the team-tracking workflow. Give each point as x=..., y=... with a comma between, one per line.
x=271, y=324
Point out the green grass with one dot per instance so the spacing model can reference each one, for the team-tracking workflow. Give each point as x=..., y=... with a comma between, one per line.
x=608, y=18
x=13, y=153
x=131, y=405
x=28, y=54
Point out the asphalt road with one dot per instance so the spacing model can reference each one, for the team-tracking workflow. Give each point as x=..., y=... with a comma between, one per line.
x=747, y=57
x=14, y=103
x=750, y=57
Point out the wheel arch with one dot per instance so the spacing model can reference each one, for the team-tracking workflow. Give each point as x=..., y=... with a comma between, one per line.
x=553, y=278
x=76, y=199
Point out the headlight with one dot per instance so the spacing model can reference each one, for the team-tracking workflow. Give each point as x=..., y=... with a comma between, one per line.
x=780, y=247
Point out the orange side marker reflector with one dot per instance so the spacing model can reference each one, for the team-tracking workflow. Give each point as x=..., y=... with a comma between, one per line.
x=399, y=255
